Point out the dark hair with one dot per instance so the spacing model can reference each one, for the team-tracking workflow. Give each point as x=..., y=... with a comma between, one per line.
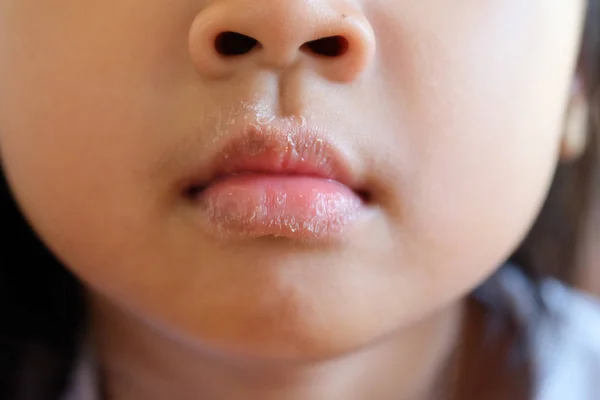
x=42, y=307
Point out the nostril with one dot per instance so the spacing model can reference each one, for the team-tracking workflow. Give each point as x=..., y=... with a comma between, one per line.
x=234, y=44
x=331, y=46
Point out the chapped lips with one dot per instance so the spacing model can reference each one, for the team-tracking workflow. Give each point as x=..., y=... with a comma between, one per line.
x=283, y=182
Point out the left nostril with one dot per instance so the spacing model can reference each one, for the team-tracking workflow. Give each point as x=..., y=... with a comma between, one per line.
x=234, y=44
x=331, y=46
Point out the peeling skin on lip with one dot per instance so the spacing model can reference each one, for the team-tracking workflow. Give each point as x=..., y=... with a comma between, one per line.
x=259, y=140
x=266, y=149
x=287, y=141
x=246, y=212
x=274, y=177
x=244, y=111
x=240, y=113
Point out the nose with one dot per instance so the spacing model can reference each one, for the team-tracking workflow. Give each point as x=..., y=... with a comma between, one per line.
x=331, y=36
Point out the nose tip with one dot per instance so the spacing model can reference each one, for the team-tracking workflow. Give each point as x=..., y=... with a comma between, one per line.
x=334, y=38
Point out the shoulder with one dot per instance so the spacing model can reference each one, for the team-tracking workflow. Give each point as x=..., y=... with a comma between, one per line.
x=563, y=327
x=567, y=344
x=577, y=313
x=544, y=304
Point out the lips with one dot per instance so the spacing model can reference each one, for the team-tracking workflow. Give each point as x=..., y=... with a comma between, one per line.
x=286, y=182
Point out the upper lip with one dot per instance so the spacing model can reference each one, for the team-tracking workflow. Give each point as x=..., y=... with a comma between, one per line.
x=278, y=149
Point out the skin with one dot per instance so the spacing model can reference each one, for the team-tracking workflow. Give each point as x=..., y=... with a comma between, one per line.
x=449, y=110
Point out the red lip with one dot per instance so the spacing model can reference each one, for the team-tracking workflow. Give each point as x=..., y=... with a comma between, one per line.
x=280, y=181
x=280, y=150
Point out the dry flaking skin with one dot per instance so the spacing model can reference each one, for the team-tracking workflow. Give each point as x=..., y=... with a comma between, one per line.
x=236, y=214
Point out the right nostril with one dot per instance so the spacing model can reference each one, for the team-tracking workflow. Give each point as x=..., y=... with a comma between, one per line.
x=331, y=46
x=234, y=44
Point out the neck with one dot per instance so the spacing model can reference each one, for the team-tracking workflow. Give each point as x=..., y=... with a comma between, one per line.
x=139, y=361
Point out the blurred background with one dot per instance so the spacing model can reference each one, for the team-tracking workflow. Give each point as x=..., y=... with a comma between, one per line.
x=589, y=270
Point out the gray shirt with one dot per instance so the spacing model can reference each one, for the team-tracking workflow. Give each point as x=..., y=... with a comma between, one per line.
x=565, y=340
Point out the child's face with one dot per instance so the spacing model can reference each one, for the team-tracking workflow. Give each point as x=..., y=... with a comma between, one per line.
x=448, y=113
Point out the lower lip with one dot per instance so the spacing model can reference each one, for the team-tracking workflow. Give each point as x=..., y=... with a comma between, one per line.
x=295, y=207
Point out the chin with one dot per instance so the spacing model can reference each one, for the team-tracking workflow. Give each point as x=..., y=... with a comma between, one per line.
x=289, y=330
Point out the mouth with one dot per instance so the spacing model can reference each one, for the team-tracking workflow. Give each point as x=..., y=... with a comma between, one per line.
x=286, y=182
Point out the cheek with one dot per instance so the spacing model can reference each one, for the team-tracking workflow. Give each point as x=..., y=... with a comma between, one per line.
x=81, y=118
x=485, y=94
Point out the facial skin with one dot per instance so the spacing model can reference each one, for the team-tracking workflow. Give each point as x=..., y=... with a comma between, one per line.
x=450, y=112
